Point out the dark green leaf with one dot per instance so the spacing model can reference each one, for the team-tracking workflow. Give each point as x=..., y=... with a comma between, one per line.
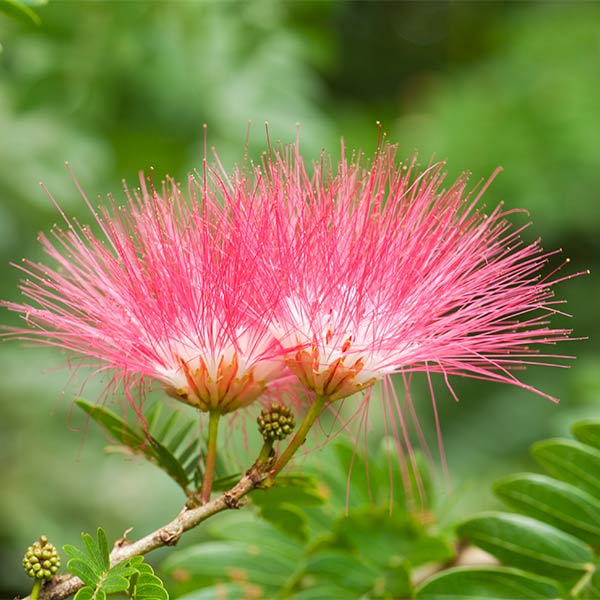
x=526, y=543
x=226, y=482
x=189, y=456
x=588, y=432
x=170, y=464
x=151, y=449
x=551, y=501
x=570, y=461
x=167, y=426
x=114, y=426
x=153, y=416
x=495, y=583
x=179, y=437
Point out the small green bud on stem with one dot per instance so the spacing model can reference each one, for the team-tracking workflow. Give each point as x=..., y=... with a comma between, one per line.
x=275, y=423
x=41, y=559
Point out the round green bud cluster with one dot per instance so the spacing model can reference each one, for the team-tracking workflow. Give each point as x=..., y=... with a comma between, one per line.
x=276, y=423
x=41, y=559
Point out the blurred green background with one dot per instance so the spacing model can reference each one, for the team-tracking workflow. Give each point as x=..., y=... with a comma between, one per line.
x=115, y=87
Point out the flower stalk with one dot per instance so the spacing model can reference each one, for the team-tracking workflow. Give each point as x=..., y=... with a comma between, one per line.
x=311, y=416
x=35, y=591
x=211, y=455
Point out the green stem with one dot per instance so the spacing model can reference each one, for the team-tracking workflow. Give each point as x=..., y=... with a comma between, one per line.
x=37, y=586
x=211, y=455
x=300, y=437
x=265, y=453
x=583, y=581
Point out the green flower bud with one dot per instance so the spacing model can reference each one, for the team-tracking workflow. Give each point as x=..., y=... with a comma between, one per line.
x=41, y=559
x=275, y=423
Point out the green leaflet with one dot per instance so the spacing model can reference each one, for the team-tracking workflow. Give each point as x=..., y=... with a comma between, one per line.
x=570, y=461
x=495, y=583
x=588, y=432
x=313, y=546
x=559, y=504
x=526, y=543
x=92, y=566
x=21, y=10
x=147, y=446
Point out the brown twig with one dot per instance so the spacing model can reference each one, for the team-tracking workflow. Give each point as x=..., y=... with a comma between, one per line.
x=168, y=535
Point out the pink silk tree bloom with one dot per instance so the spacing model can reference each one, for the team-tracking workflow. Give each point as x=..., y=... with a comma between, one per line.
x=381, y=270
x=161, y=293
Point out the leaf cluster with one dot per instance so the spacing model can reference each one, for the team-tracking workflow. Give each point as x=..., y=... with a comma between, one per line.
x=134, y=577
x=314, y=541
x=550, y=547
x=170, y=443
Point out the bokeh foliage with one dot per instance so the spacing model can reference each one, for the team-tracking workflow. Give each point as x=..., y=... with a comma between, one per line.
x=115, y=87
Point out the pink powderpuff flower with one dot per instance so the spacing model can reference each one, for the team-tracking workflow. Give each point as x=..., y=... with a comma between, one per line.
x=382, y=271
x=163, y=293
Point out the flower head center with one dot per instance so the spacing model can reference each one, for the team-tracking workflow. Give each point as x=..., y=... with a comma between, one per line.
x=225, y=389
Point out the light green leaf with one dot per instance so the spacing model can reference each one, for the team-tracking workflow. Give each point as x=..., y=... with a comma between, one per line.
x=570, y=461
x=85, y=571
x=495, y=583
x=288, y=518
x=94, y=551
x=117, y=579
x=242, y=527
x=348, y=571
x=103, y=550
x=212, y=562
x=394, y=581
x=85, y=593
x=146, y=585
x=282, y=504
x=223, y=591
x=592, y=590
x=588, y=432
x=151, y=590
x=19, y=10
x=560, y=504
x=356, y=474
x=405, y=480
x=323, y=590
x=526, y=543
x=384, y=538
x=302, y=490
